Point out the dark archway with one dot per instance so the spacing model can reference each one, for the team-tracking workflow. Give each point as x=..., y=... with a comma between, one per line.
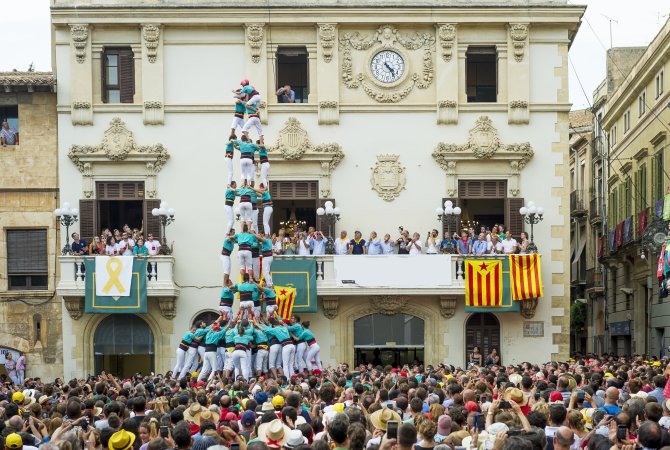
x=123, y=344
x=482, y=330
x=395, y=340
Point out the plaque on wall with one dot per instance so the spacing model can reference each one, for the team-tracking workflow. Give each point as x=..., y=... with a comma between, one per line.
x=533, y=329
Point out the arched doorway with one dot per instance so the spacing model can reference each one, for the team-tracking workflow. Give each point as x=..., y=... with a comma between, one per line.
x=123, y=344
x=482, y=330
x=389, y=340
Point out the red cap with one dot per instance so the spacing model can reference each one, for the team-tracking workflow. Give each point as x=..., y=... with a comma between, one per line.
x=403, y=373
x=471, y=406
x=556, y=397
x=200, y=383
x=317, y=372
x=244, y=82
x=230, y=417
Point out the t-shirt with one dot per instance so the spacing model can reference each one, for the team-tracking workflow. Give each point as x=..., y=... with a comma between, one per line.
x=415, y=249
x=402, y=246
x=509, y=245
x=374, y=247
x=246, y=239
x=78, y=246
x=246, y=291
x=247, y=148
x=341, y=246
x=357, y=246
x=152, y=247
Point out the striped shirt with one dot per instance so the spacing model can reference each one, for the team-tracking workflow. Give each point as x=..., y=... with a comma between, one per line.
x=9, y=136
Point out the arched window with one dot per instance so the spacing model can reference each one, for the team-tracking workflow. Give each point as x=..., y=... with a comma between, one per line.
x=206, y=316
x=395, y=340
x=123, y=344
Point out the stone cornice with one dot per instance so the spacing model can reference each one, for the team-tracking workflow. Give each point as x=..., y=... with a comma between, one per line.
x=27, y=79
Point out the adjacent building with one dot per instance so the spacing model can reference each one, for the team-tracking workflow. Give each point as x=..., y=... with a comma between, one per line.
x=30, y=311
x=474, y=111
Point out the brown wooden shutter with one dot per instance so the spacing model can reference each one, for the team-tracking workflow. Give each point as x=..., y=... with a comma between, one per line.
x=322, y=225
x=513, y=220
x=127, y=76
x=294, y=190
x=482, y=188
x=27, y=252
x=152, y=225
x=103, y=80
x=87, y=220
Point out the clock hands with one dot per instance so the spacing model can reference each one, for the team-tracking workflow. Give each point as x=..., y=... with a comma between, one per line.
x=389, y=68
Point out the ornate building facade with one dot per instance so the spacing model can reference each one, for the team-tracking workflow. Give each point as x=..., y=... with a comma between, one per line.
x=400, y=106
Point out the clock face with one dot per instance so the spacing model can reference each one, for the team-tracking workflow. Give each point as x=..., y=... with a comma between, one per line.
x=387, y=66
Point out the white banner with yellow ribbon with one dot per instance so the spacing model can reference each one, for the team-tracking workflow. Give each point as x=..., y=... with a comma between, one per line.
x=113, y=275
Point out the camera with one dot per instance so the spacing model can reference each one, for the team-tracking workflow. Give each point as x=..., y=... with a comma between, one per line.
x=401, y=228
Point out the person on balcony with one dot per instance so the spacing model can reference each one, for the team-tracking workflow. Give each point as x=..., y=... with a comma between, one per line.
x=140, y=251
x=432, y=242
x=509, y=244
x=8, y=136
x=152, y=245
x=342, y=244
x=448, y=244
x=97, y=247
x=415, y=245
x=523, y=245
x=403, y=241
x=318, y=244
x=112, y=247
x=388, y=245
x=479, y=246
x=495, y=246
x=374, y=245
x=464, y=244
x=126, y=245
x=357, y=244
x=78, y=245
x=303, y=244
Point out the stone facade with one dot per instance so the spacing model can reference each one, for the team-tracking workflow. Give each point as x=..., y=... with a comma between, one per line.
x=30, y=321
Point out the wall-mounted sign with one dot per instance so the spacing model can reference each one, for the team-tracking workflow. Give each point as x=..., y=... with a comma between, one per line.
x=533, y=329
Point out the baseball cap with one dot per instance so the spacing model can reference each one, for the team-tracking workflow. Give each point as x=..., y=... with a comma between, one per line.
x=18, y=397
x=261, y=398
x=13, y=440
x=248, y=418
x=278, y=401
x=555, y=397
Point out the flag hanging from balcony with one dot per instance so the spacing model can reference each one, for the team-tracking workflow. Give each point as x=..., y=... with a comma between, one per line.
x=666, y=207
x=285, y=299
x=115, y=285
x=299, y=273
x=525, y=273
x=642, y=221
x=483, y=283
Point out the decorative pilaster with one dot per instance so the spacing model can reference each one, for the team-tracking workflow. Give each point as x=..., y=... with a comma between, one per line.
x=79, y=34
x=447, y=73
x=327, y=39
x=329, y=113
x=331, y=306
x=447, y=112
x=74, y=306
x=446, y=33
x=81, y=113
x=518, y=113
x=153, y=113
x=254, y=34
x=151, y=36
x=448, y=306
x=519, y=34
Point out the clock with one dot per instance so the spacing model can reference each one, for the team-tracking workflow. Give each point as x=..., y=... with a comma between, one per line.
x=387, y=66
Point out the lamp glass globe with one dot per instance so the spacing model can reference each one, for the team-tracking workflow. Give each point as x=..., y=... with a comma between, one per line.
x=336, y=211
x=457, y=211
x=57, y=212
x=531, y=203
x=170, y=211
x=65, y=205
x=155, y=212
x=75, y=212
x=448, y=210
x=532, y=210
x=448, y=203
x=328, y=204
x=320, y=212
x=523, y=210
x=329, y=209
x=439, y=211
x=540, y=211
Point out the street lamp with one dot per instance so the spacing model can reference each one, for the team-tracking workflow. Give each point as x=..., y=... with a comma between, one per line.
x=166, y=217
x=532, y=215
x=331, y=215
x=450, y=213
x=67, y=216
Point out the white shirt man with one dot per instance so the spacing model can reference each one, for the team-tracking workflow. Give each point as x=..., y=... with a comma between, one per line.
x=152, y=245
x=126, y=246
x=509, y=245
x=342, y=244
x=415, y=245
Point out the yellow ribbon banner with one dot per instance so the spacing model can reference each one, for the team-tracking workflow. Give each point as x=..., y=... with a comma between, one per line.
x=113, y=275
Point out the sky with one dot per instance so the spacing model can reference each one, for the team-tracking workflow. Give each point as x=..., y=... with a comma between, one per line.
x=25, y=30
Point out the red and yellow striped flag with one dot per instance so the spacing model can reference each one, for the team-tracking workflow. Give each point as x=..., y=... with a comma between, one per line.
x=483, y=283
x=525, y=276
x=285, y=300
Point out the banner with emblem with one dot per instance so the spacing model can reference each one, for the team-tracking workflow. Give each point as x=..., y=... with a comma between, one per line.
x=115, y=285
x=298, y=273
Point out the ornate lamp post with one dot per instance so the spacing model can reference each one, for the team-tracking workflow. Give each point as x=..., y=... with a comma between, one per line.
x=67, y=216
x=450, y=213
x=166, y=217
x=331, y=215
x=532, y=215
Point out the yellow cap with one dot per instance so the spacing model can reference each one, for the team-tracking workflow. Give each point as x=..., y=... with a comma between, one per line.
x=338, y=407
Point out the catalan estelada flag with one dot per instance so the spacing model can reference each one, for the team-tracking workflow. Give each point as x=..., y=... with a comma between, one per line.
x=525, y=276
x=483, y=282
x=285, y=299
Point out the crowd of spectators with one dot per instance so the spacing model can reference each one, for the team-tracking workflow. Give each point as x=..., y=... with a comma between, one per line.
x=125, y=242
x=594, y=403
x=488, y=241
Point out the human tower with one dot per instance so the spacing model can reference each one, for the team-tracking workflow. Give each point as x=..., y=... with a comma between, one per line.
x=248, y=341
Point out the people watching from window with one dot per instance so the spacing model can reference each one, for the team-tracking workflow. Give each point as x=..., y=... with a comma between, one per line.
x=415, y=245
x=479, y=246
x=342, y=244
x=432, y=242
x=126, y=245
x=152, y=245
x=112, y=247
x=374, y=245
x=79, y=246
x=285, y=94
x=509, y=244
x=140, y=250
x=357, y=244
x=402, y=242
x=97, y=247
x=8, y=136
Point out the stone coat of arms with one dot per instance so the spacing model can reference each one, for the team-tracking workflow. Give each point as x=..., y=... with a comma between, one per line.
x=388, y=177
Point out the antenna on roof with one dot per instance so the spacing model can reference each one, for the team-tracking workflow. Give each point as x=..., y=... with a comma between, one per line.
x=610, y=20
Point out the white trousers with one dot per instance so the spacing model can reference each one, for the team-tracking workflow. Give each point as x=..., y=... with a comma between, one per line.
x=230, y=212
x=181, y=354
x=256, y=265
x=237, y=122
x=245, y=211
x=275, y=356
x=267, y=265
x=209, y=366
x=228, y=362
x=254, y=219
x=270, y=309
x=287, y=357
x=261, y=362
x=225, y=262
x=220, y=358
x=265, y=169
x=314, y=354
x=253, y=122
x=267, y=214
x=190, y=357
x=300, y=356
x=229, y=169
x=250, y=362
x=257, y=312
x=246, y=262
x=247, y=169
x=227, y=311
x=240, y=362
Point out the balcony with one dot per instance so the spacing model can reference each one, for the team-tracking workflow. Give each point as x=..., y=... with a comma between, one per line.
x=160, y=284
x=577, y=206
x=594, y=281
x=596, y=211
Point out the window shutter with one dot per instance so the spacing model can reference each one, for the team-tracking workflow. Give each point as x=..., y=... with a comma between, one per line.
x=321, y=224
x=127, y=76
x=152, y=225
x=444, y=219
x=27, y=252
x=103, y=77
x=513, y=217
x=653, y=180
x=87, y=219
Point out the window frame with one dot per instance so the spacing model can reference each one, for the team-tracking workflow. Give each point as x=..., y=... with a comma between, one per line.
x=29, y=276
x=287, y=51
x=626, y=121
x=121, y=53
x=642, y=104
x=660, y=81
x=471, y=51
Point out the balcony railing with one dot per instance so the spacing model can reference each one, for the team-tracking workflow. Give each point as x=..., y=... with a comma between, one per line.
x=160, y=276
x=594, y=279
x=577, y=207
x=596, y=209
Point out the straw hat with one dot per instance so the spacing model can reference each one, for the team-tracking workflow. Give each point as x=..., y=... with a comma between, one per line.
x=295, y=438
x=267, y=407
x=206, y=414
x=274, y=434
x=516, y=395
x=121, y=440
x=516, y=379
x=192, y=413
x=380, y=418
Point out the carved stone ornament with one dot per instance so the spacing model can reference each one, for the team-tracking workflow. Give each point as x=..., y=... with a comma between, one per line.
x=518, y=113
x=329, y=113
x=153, y=113
x=255, y=40
x=388, y=177
x=151, y=34
x=327, y=38
x=448, y=307
x=387, y=37
x=79, y=34
x=74, y=306
x=330, y=306
x=82, y=114
x=118, y=144
x=446, y=33
x=388, y=304
x=447, y=112
x=528, y=308
x=168, y=307
x=519, y=33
